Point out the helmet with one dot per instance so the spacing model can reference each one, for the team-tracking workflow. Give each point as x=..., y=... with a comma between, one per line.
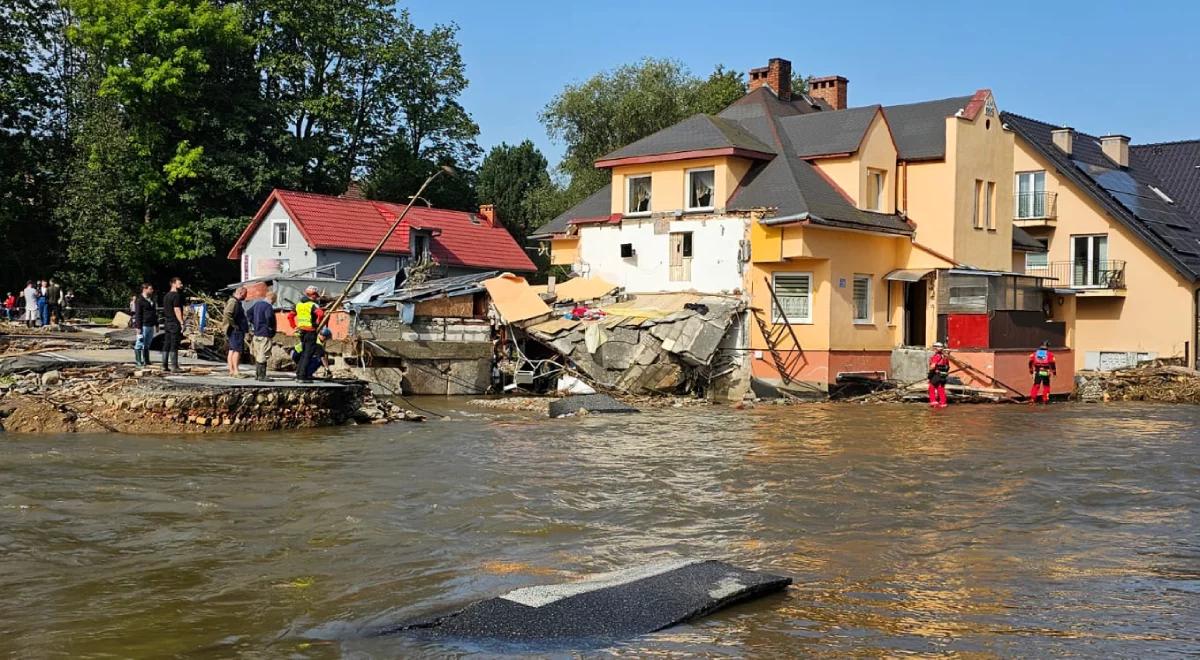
x=326, y=332
x=938, y=344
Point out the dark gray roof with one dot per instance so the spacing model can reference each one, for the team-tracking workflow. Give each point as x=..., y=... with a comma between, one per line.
x=595, y=205
x=791, y=185
x=1125, y=193
x=446, y=287
x=920, y=128
x=691, y=134
x=1177, y=166
x=1023, y=242
x=833, y=132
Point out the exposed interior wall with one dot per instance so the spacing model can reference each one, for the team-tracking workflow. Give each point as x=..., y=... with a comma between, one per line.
x=1154, y=315
x=266, y=259
x=564, y=251
x=981, y=149
x=715, y=263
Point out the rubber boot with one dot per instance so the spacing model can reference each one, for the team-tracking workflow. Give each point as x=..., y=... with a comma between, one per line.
x=175, y=363
x=941, y=396
x=260, y=372
x=137, y=357
x=146, y=357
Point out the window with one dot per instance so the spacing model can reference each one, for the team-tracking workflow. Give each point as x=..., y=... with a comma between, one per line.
x=978, y=220
x=420, y=247
x=1031, y=194
x=862, y=298
x=794, y=291
x=700, y=190
x=279, y=233
x=875, y=190
x=1090, y=266
x=989, y=196
x=638, y=195
x=1036, y=261
x=687, y=244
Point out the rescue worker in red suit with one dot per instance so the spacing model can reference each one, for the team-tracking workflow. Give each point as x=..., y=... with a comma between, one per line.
x=1042, y=366
x=939, y=373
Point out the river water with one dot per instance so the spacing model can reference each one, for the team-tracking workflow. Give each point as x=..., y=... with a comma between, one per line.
x=993, y=530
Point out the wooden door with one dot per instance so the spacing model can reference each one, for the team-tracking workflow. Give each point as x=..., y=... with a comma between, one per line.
x=681, y=257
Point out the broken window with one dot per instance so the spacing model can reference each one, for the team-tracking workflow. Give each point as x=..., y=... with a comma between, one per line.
x=794, y=293
x=638, y=195
x=279, y=234
x=700, y=190
x=862, y=298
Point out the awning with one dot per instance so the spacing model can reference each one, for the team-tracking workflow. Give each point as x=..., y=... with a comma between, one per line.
x=908, y=274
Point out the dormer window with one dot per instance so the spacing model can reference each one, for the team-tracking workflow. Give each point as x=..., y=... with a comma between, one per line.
x=700, y=191
x=875, y=189
x=637, y=197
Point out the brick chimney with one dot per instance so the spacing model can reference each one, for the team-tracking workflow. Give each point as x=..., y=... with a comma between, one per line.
x=1116, y=147
x=488, y=213
x=777, y=75
x=1064, y=139
x=830, y=89
x=354, y=190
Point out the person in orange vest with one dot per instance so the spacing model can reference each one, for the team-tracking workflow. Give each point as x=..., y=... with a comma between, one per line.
x=1041, y=367
x=939, y=373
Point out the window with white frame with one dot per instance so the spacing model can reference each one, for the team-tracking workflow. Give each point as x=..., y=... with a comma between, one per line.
x=1036, y=261
x=1031, y=194
x=794, y=292
x=637, y=195
x=279, y=233
x=876, y=189
x=700, y=190
x=862, y=298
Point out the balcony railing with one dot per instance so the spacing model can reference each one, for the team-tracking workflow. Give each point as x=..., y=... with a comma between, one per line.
x=1037, y=205
x=1083, y=275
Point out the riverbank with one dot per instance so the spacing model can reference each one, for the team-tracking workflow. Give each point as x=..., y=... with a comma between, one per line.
x=80, y=390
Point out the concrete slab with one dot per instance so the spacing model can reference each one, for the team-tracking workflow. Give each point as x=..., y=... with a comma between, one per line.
x=603, y=608
x=593, y=403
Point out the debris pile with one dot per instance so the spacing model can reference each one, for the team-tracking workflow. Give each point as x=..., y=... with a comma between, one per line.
x=1154, y=382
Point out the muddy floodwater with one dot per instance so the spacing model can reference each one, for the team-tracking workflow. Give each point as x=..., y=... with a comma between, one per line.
x=1001, y=530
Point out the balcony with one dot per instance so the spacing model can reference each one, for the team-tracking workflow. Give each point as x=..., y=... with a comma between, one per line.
x=1035, y=209
x=1095, y=278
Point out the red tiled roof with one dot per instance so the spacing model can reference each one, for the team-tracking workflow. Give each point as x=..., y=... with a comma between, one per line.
x=338, y=223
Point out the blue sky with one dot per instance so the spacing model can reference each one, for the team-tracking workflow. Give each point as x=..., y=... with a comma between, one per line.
x=1101, y=67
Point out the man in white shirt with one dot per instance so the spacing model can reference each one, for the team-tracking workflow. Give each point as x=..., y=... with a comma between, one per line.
x=31, y=307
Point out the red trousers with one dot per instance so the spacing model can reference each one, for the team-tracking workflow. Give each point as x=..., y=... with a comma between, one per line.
x=937, y=395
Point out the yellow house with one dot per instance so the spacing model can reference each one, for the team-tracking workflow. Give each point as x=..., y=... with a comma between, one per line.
x=1122, y=226
x=849, y=231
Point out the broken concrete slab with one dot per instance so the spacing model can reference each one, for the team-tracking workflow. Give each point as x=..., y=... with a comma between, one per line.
x=593, y=403
x=603, y=608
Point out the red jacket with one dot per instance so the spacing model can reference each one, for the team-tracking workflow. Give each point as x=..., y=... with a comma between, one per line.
x=10, y=302
x=1036, y=364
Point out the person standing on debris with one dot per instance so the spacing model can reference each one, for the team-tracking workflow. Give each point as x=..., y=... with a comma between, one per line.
x=43, y=308
x=145, y=319
x=172, y=326
x=261, y=318
x=305, y=318
x=10, y=306
x=54, y=303
x=31, y=306
x=236, y=325
x=939, y=373
x=1041, y=367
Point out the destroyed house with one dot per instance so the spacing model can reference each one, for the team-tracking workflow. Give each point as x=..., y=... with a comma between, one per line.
x=295, y=231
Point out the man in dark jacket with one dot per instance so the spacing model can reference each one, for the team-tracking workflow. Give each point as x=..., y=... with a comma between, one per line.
x=172, y=325
x=236, y=325
x=145, y=319
x=262, y=329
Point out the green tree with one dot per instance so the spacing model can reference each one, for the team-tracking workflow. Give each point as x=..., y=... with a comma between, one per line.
x=614, y=108
x=507, y=178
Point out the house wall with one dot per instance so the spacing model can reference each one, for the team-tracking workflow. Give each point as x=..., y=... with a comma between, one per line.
x=980, y=149
x=668, y=182
x=715, y=247
x=296, y=254
x=931, y=203
x=348, y=262
x=1156, y=313
x=877, y=151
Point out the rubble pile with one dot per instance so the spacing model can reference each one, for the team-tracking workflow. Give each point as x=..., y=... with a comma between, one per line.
x=639, y=348
x=1155, y=382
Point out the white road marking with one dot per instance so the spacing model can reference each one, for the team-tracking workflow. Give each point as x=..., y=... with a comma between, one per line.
x=549, y=593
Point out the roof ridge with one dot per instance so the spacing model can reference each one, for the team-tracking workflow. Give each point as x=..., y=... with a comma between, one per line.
x=1165, y=143
x=948, y=98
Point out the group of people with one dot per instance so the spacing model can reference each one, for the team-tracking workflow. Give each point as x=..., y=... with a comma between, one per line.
x=1041, y=367
x=45, y=302
x=257, y=324
x=144, y=312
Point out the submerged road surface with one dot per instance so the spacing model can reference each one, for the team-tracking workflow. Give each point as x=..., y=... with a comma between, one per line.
x=975, y=530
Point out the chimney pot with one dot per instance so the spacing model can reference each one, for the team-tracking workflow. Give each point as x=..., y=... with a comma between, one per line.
x=777, y=75
x=1064, y=138
x=488, y=213
x=1116, y=147
x=830, y=89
